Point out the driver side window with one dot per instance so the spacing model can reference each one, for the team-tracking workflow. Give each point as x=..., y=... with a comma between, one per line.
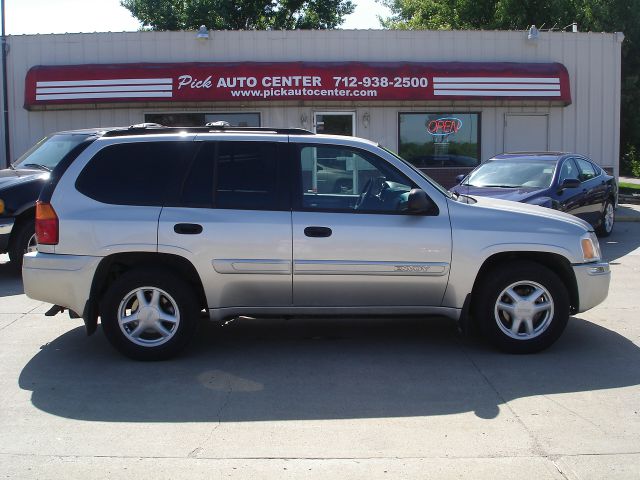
x=336, y=178
x=568, y=171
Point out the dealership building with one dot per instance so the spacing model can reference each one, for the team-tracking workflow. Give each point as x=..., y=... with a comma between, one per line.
x=444, y=100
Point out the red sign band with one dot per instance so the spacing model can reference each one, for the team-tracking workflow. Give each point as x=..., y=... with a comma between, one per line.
x=266, y=82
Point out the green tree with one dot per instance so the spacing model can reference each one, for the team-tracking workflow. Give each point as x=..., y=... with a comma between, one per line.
x=239, y=14
x=591, y=15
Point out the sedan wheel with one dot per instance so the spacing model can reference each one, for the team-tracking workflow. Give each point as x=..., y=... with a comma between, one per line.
x=607, y=221
x=32, y=244
x=23, y=241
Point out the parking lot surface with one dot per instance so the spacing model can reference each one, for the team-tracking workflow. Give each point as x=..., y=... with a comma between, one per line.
x=323, y=399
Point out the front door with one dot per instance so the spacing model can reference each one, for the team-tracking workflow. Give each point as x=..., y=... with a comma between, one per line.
x=335, y=123
x=594, y=189
x=573, y=200
x=354, y=243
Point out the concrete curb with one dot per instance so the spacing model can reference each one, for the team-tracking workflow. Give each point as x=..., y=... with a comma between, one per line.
x=629, y=199
x=628, y=213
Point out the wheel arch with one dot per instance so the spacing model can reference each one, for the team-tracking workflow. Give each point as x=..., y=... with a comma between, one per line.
x=554, y=262
x=113, y=266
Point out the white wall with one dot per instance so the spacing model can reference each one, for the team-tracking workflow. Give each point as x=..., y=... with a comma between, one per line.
x=590, y=125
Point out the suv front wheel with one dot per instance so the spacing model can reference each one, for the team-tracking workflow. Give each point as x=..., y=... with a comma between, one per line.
x=522, y=307
x=149, y=314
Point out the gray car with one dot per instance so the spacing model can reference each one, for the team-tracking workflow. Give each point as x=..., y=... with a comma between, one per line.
x=148, y=228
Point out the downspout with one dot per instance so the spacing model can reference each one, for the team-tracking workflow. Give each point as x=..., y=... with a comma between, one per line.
x=5, y=92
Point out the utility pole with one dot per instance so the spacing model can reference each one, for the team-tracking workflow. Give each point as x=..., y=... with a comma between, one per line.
x=5, y=92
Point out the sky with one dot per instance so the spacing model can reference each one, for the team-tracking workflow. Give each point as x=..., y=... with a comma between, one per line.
x=73, y=16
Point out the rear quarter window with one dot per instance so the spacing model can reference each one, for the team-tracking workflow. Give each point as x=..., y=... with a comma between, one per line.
x=140, y=173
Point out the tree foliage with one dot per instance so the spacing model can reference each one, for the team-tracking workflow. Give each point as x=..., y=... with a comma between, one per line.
x=590, y=15
x=239, y=14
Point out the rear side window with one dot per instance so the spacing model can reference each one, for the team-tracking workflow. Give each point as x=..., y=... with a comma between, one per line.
x=134, y=173
x=246, y=176
x=236, y=175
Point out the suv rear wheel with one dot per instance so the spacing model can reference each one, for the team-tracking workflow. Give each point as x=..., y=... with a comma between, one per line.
x=522, y=307
x=149, y=314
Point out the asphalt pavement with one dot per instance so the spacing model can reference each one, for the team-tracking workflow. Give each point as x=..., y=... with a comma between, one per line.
x=325, y=399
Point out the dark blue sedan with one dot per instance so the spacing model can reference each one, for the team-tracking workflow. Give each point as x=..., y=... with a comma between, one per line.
x=567, y=182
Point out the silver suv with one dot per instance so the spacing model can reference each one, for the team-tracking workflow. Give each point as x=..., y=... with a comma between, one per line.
x=147, y=228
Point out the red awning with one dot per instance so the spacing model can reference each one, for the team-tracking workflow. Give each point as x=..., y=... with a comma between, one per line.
x=314, y=81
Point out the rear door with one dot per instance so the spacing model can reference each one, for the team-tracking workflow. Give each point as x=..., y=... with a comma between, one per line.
x=232, y=220
x=594, y=188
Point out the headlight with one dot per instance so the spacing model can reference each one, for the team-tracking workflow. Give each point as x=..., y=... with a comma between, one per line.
x=590, y=247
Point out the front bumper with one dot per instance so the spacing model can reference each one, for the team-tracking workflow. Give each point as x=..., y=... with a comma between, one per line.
x=6, y=225
x=593, y=284
x=63, y=280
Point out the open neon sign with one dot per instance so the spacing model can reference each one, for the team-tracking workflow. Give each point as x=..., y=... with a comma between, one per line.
x=444, y=126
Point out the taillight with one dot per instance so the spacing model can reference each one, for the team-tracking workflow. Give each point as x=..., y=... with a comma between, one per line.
x=46, y=224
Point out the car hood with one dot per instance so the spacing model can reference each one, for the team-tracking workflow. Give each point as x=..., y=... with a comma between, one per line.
x=9, y=177
x=521, y=194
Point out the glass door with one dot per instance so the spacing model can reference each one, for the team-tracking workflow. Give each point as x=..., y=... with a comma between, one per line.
x=335, y=123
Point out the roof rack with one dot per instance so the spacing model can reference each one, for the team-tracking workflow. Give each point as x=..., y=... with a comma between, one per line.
x=154, y=129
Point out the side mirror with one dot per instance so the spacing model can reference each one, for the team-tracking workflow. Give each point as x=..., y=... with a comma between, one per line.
x=419, y=202
x=570, y=183
x=459, y=178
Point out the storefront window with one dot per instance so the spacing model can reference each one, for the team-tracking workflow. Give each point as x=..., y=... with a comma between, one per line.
x=440, y=139
x=200, y=119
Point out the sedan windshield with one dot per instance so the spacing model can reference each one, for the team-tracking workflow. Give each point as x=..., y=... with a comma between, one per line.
x=514, y=173
x=46, y=154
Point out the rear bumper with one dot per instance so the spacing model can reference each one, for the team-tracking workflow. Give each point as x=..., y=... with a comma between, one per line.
x=593, y=284
x=63, y=280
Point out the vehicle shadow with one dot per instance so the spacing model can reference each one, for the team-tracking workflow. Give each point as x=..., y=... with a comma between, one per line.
x=257, y=370
x=10, y=280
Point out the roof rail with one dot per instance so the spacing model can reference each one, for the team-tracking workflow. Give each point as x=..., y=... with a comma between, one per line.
x=154, y=129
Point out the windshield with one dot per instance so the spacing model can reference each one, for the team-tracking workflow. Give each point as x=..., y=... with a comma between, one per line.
x=514, y=173
x=419, y=172
x=46, y=154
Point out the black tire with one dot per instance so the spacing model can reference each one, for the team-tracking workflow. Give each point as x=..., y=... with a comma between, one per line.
x=545, y=326
x=20, y=242
x=606, y=227
x=176, y=300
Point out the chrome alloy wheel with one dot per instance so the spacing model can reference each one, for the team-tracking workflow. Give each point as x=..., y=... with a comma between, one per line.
x=609, y=217
x=148, y=316
x=32, y=244
x=524, y=310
